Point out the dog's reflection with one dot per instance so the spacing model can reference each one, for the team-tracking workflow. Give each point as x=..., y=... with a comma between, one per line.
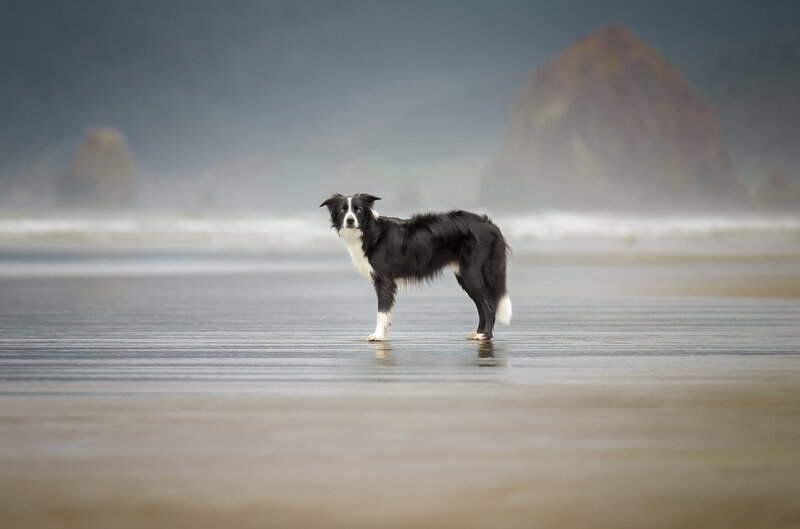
x=383, y=354
x=488, y=355
x=486, y=349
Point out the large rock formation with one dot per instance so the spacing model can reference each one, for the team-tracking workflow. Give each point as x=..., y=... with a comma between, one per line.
x=101, y=174
x=610, y=123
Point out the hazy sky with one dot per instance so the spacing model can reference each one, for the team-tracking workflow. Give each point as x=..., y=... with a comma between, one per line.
x=256, y=90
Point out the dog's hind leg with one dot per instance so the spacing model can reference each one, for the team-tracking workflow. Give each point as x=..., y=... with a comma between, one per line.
x=490, y=308
x=472, y=282
x=386, y=290
x=493, y=281
x=475, y=299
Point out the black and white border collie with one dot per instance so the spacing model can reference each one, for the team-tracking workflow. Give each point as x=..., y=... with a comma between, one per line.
x=390, y=252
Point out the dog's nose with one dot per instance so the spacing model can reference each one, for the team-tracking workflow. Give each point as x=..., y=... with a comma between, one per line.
x=350, y=221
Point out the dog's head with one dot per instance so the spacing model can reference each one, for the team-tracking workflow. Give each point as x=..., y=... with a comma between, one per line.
x=351, y=212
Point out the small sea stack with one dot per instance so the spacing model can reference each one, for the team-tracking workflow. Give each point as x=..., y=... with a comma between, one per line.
x=101, y=175
x=779, y=193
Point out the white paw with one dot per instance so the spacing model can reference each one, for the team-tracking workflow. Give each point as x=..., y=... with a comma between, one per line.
x=479, y=336
x=375, y=338
x=472, y=336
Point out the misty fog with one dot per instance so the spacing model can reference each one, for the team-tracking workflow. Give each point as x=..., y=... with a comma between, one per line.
x=269, y=105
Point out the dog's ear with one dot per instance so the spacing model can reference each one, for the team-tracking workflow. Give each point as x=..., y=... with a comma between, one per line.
x=330, y=202
x=369, y=199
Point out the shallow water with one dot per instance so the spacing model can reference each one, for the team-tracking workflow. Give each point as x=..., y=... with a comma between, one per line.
x=293, y=321
x=195, y=390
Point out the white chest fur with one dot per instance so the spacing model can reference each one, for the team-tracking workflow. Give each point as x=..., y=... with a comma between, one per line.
x=352, y=238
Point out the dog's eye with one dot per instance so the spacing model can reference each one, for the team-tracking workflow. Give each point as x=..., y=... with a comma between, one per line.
x=341, y=210
x=358, y=210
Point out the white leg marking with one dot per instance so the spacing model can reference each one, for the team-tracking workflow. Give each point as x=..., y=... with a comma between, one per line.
x=382, y=327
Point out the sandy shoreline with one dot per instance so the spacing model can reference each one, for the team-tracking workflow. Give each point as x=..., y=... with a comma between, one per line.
x=610, y=447
x=735, y=286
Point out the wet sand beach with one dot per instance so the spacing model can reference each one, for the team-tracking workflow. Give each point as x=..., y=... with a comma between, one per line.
x=626, y=393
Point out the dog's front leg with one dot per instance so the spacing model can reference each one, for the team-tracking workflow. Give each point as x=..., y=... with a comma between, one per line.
x=386, y=290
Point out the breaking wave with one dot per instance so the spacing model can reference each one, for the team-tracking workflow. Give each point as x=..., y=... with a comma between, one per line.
x=311, y=234
x=552, y=226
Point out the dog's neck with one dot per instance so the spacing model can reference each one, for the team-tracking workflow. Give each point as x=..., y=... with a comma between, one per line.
x=355, y=245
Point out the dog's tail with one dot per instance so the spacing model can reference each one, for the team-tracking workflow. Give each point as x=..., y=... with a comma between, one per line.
x=504, y=309
x=495, y=277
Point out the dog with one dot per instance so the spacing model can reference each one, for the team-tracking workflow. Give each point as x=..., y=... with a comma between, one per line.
x=390, y=252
